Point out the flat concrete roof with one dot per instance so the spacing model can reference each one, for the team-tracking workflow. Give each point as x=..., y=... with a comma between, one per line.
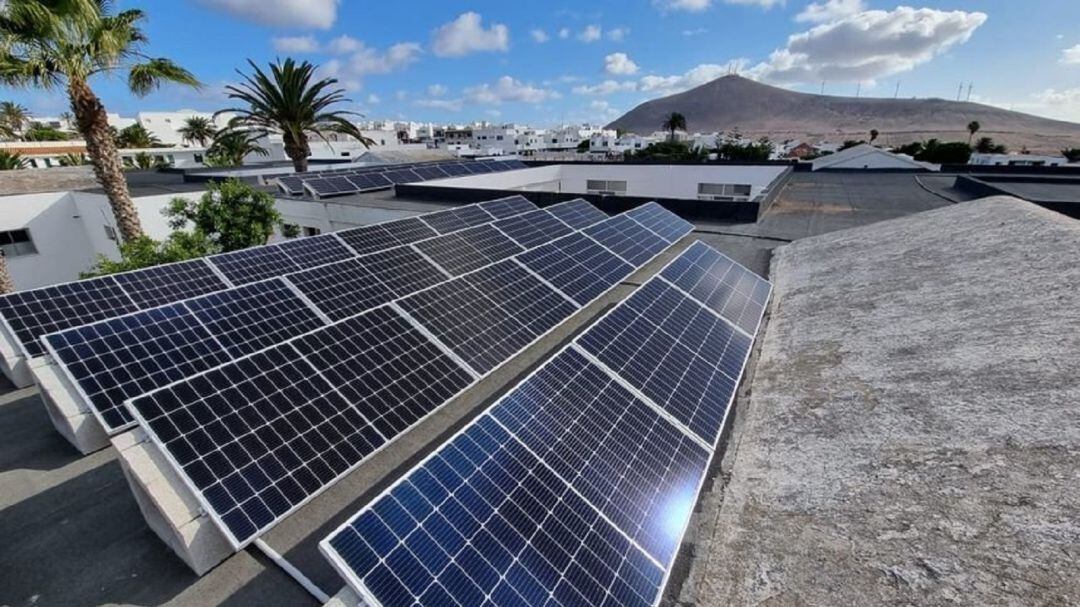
x=912, y=430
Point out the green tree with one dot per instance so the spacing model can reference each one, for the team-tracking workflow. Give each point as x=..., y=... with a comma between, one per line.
x=145, y=161
x=973, y=127
x=953, y=152
x=137, y=137
x=1071, y=154
x=231, y=146
x=197, y=129
x=11, y=161
x=144, y=252
x=43, y=132
x=668, y=150
x=64, y=44
x=13, y=119
x=72, y=160
x=231, y=214
x=287, y=101
x=873, y=135
x=583, y=146
x=674, y=122
x=986, y=145
x=850, y=143
x=758, y=151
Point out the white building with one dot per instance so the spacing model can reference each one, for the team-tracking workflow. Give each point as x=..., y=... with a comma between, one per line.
x=165, y=125
x=608, y=143
x=49, y=154
x=1018, y=160
x=866, y=156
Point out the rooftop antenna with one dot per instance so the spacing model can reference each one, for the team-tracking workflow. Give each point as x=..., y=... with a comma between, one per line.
x=897, y=93
x=969, y=91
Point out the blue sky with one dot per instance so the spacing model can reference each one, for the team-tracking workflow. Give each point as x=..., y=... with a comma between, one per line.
x=549, y=62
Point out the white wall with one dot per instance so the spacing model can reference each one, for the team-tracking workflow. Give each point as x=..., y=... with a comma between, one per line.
x=56, y=228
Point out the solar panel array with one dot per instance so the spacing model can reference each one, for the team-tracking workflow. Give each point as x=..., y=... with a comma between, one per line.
x=257, y=437
x=337, y=182
x=577, y=486
x=109, y=362
x=33, y=313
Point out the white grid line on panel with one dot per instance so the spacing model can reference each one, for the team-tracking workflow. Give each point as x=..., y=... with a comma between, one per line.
x=434, y=340
x=545, y=281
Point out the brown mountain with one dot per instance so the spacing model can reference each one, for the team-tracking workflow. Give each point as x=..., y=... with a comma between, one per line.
x=736, y=103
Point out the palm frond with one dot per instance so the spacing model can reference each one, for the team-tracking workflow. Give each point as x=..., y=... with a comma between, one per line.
x=143, y=78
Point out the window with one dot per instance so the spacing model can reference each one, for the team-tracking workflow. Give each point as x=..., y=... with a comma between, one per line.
x=17, y=242
x=198, y=158
x=499, y=138
x=602, y=186
x=110, y=232
x=310, y=231
x=724, y=191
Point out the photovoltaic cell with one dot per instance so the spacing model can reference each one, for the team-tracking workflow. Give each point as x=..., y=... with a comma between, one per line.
x=256, y=263
x=577, y=213
x=266, y=433
x=533, y=229
x=668, y=225
x=490, y=315
x=469, y=249
x=684, y=358
x=315, y=250
x=164, y=284
x=577, y=266
x=508, y=207
x=627, y=239
x=255, y=316
x=458, y=219
x=119, y=358
x=291, y=185
x=430, y=172
x=730, y=290
x=483, y=521
x=367, y=239
x=37, y=312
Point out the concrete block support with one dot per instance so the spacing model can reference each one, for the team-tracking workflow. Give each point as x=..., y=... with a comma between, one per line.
x=168, y=505
x=345, y=598
x=67, y=410
x=12, y=362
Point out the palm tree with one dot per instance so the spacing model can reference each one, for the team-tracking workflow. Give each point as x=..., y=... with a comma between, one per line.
x=973, y=127
x=873, y=135
x=13, y=119
x=136, y=136
x=10, y=161
x=54, y=44
x=7, y=285
x=287, y=102
x=197, y=128
x=231, y=146
x=72, y=160
x=674, y=122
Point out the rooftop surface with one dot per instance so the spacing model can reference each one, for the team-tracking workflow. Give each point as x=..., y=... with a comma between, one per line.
x=74, y=536
x=911, y=434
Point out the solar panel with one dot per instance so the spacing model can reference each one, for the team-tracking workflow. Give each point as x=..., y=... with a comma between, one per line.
x=454, y=220
x=170, y=282
x=321, y=187
x=469, y=249
x=508, y=207
x=123, y=357
x=455, y=169
x=430, y=172
x=577, y=266
x=577, y=213
x=680, y=355
x=31, y=314
x=494, y=165
x=348, y=287
x=473, y=168
x=341, y=184
x=533, y=229
x=668, y=225
x=572, y=489
x=402, y=176
x=627, y=239
x=256, y=263
x=730, y=290
x=367, y=239
x=291, y=185
x=480, y=168
x=378, y=181
x=315, y=250
x=489, y=315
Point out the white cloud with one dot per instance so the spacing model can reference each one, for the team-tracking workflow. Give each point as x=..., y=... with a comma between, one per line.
x=607, y=87
x=591, y=33
x=1062, y=97
x=620, y=64
x=539, y=35
x=296, y=44
x=300, y=14
x=667, y=85
x=868, y=45
x=365, y=60
x=603, y=110
x=507, y=89
x=466, y=35
x=830, y=10
x=564, y=33
x=373, y=99
x=697, y=6
x=401, y=95
x=450, y=105
x=618, y=34
x=343, y=45
x=1071, y=56
x=436, y=90
x=765, y=4
x=695, y=32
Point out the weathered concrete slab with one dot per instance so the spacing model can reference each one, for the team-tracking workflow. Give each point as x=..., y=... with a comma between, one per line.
x=912, y=435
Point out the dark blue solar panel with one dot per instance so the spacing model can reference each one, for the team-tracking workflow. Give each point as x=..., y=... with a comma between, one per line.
x=469, y=249
x=367, y=239
x=152, y=287
x=341, y=185
x=577, y=266
x=680, y=355
x=533, y=229
x=455, y=169
x=458, y=219
x=402, y=176
x=730, y=290
x=430, y=172
x=291, y=185
x=508, y=207
x=627, y=239
x=255, y=316
x=577, y=213
x=34, y=313
x=668, y=225
x=256, y=263
x=322, y=187
x=117, y=359
x=315, y=250
x=618, y=452
x=378, y=181
x=490, y=315
x=483, y=521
